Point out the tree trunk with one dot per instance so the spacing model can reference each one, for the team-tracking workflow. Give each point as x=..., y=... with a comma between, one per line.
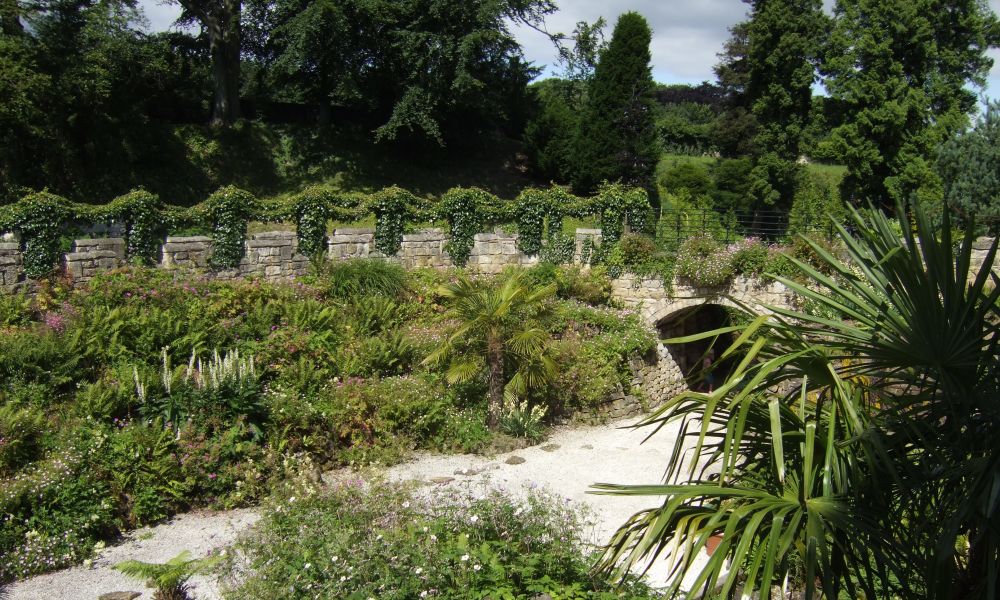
x=494, y=359
x=223, y=27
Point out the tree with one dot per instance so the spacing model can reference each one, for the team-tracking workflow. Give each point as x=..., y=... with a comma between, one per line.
x=856, y=438
x=899, y=69
x=220, y=21
x=969, y=166
x=784, y=39
x=550, y=133
x=617, y=139
x=736, y=126
x=498, y=332
x=434, y=71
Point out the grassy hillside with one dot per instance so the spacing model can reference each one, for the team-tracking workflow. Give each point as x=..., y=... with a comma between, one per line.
x=832, y=174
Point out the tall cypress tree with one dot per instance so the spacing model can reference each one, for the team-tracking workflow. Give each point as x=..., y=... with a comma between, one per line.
x=617, y=138
x=784, y=42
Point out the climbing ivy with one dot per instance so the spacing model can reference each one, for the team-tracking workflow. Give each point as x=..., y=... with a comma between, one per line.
x=230, y=210
x=531, y=208
x=312, y=209
x=139, y=212
x=391, y=207
x=38, y=219
x=468, y=212
x=619, y=206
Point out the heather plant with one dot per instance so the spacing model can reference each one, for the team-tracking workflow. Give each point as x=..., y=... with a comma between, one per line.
x=705, y=262
x=391, y=543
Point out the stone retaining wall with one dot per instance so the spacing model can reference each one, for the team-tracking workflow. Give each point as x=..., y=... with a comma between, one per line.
x=491, y=253
x=90, y=257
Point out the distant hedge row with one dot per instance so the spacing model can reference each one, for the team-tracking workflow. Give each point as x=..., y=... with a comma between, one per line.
x=42, y=218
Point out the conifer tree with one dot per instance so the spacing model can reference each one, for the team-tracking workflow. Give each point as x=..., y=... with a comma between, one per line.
x=900, y=70
x=617, y=138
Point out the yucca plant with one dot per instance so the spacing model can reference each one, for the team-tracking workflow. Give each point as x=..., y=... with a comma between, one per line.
x=853, y=454
x=169, y=578
x=497, y=332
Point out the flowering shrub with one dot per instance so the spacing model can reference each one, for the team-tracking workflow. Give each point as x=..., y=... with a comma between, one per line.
x=704, y=262
x=375, y=541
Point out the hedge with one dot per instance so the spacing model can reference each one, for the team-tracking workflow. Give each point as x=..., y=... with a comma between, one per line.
x=41, y=219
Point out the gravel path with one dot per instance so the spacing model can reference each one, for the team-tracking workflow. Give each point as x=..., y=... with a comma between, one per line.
x=566, y=464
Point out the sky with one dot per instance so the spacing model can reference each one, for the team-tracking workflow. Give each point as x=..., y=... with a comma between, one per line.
x=687, y=34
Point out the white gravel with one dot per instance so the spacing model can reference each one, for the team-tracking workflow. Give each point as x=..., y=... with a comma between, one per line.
x=199, y=532
x=566, y=464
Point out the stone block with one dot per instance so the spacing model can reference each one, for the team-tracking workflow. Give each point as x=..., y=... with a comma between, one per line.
x=280, y=236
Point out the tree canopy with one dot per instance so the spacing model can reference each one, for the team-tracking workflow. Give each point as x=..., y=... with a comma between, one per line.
x=616, y=139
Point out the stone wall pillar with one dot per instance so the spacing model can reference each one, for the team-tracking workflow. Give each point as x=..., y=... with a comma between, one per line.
x=90, y=257
x=11, y=266
x=190, y=252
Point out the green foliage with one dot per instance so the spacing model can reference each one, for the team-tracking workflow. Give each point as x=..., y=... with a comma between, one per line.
x=860, y=405
x=39, y=220
x=620, y=206
x=816, y=208
x=169, y=577
x=20, y=436
x=785, y=39
x=731, y=184
x=549, y=135
x=968, y=165
x=498, y=332
x=230, y=210
x=616, y=139
x=531, y=208
x=361, y=277
x=390, y=207
x=523, y=421
x=467, y=211
x=891, y=128
x=394, y=544
x=15, y=310
x=689, y=176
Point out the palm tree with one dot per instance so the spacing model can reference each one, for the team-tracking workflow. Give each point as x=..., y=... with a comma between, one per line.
x=169, y=578
x=854, y=447
x=497, y=331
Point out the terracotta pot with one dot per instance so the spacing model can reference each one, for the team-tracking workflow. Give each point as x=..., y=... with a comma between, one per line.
x=713, y=543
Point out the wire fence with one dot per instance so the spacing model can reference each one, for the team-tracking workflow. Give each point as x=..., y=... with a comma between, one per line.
x=677, y=226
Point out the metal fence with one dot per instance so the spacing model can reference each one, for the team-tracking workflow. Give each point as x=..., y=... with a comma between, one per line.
x=676, y=226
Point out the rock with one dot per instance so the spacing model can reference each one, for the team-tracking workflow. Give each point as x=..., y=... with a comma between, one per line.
x=515, y=460
x=550, y=447
x=442, y=480
x=119, y=596
x=468, y=472
x=587, y=446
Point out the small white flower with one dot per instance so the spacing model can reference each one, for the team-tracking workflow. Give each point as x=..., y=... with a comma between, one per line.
x=473, y=518
x=465, y=557
x=334, y=559
x=292, y=499
x=406, y=504
x=476, y=567
x=418, y=570
x=307, y=565
x=423, y=594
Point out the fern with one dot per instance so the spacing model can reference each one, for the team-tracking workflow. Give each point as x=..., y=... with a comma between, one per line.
x=169, y=578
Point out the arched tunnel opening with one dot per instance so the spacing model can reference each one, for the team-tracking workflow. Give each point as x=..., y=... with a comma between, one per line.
x=700, y=361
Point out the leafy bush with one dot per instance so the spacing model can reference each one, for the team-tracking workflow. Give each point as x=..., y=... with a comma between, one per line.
x=703, y=262
x=523, y=421
x=688, y=176
x=20, y=433
x=15, y=310
x=749, y=256
x=391, y=544
x=636, y=250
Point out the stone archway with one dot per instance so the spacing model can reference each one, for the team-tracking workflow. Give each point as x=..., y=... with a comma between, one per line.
x=697, y=361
